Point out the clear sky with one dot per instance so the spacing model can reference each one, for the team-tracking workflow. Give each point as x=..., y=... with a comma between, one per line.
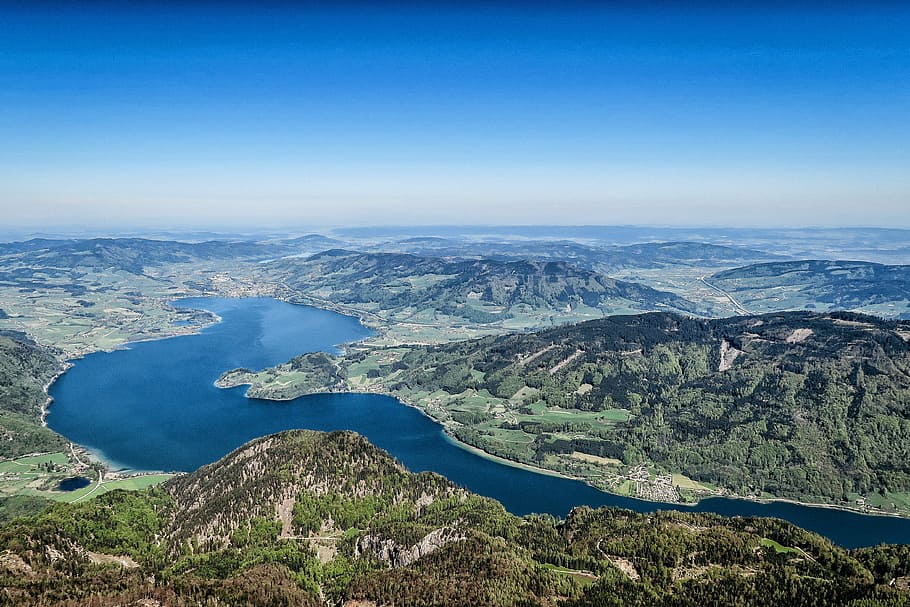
x=357, y=115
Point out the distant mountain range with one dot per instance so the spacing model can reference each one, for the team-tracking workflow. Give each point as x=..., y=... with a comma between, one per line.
x=498, y=279
x=632, y=234
x=128, y=254
x=313, y=243
x=598, y=258
x=481, y=290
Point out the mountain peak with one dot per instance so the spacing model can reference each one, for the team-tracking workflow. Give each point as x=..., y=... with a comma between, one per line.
x=268, y=476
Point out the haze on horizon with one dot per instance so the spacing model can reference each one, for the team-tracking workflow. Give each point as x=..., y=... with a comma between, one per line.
x=756, y=116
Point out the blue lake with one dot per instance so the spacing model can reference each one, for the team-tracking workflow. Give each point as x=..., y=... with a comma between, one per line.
x=71, y=484
x=154, y=406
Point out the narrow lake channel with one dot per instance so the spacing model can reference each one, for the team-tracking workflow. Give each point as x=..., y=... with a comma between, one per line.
x=154, y=406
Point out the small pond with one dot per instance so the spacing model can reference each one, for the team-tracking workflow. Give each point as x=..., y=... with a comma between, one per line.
x=73, y=483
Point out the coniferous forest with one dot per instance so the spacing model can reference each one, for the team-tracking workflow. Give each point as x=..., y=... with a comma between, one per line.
x=306, y=518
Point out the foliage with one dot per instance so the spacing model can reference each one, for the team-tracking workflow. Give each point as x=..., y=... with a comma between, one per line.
x=812, y=405
x=304, y=374
x=25, y=369
x=382, y=517
x=21, y=505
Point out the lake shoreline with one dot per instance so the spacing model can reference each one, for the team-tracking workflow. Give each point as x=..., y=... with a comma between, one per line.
x=477, y=450
x=758, y=500
x=68, y=363
x=450, y=437
x=528, y=495
x=49, y=400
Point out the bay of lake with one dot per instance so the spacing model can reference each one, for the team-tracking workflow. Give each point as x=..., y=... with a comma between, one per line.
x=154, y=406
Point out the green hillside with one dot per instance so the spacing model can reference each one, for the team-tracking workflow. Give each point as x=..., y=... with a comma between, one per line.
x=438, y=293
x=305, y=518
x=24, y=371
x=799, y=405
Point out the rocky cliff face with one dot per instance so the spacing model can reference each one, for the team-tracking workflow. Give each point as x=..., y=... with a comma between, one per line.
x=390, y=551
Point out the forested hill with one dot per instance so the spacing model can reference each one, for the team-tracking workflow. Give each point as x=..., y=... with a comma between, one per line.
x=305, y=518
x=25, y=369
x=801, y=405
x=476, y=290
x=820, y=285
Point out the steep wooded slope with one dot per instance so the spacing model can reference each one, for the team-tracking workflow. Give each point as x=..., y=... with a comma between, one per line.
x=25, y=369
x=365, y=529
x=804, y=405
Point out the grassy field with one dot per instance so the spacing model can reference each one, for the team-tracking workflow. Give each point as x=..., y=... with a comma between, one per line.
x=684, y=482
x=585, y=578
x=686, y=282
x=27, y=464
x=889, y=502
x=778, y=548
x=34, y=475
x=116, y=308
x=757, y=296
x=39, y=475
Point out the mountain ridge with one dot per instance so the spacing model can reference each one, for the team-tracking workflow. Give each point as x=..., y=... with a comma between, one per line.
x=799, y=405
x=475, y=290
x=375, y=534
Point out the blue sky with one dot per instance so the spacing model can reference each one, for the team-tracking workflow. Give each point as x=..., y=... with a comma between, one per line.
x=356, y=115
